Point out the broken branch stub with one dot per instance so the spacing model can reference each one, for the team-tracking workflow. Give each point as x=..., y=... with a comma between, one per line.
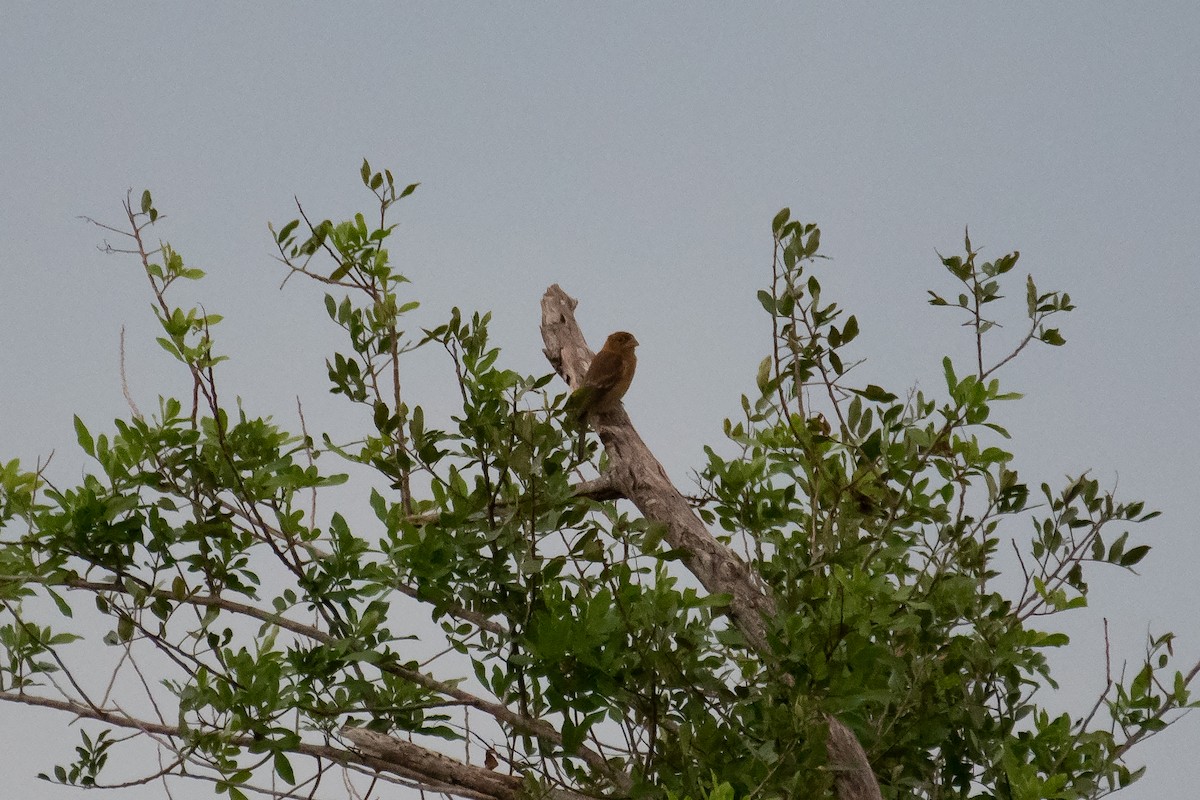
x=640, y=478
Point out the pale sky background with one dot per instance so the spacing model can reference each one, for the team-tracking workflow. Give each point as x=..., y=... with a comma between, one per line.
x=635, y=154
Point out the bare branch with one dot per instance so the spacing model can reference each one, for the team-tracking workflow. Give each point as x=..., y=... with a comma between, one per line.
x=420, y=756
x=639, y=476
x=450, y=773
x=539, y=728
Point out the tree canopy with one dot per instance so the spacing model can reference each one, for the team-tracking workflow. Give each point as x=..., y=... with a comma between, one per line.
x=855, y=600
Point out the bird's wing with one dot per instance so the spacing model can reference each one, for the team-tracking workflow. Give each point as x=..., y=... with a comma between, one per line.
x=605, y=371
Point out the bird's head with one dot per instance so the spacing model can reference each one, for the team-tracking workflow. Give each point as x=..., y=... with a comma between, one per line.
x=621, y=341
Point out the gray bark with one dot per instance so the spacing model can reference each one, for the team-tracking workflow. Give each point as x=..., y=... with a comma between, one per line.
x=639, y=476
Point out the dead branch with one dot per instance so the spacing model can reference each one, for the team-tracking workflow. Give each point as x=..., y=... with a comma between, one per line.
x=501, y=713
x=639, y=476
x=349, y=758
x=437, y=772
x=450, y=775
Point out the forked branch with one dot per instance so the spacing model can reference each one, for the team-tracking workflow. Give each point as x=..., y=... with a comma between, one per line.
x=639, y=476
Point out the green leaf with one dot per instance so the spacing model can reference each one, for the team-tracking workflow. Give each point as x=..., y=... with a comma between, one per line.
x=286, y=231
x=654, y=535
x=763, y=378
x=146, y=201
x=850, y=329
x=1006, y=263
x=951, y=380
x=780, y=220
x=875, y=393
x=1053, y=640
x=1134, y=555
x=835, y=361
x=813, y=244
x=380, y=415
x=167, y=345
x=789, y=257
x=283, y=768
x=63, y=607
x=85, y=439
x=1053, y=337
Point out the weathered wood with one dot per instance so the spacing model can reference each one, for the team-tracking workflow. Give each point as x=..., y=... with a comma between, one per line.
x=634, y=470
x=639, y=476
x=431, y=770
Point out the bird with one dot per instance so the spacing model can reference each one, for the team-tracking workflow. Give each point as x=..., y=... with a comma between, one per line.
x=607, y=378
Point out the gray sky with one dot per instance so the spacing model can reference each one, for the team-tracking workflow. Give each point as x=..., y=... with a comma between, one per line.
x=634, y=154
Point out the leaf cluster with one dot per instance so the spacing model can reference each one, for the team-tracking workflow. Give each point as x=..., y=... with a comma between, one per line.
x=570, y=645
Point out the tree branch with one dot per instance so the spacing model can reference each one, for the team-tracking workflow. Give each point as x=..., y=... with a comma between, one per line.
x=639, y=476
x=539, y=728
x=432, y=771
x=447, y=771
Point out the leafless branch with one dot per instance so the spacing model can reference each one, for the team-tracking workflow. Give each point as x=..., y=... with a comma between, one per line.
x=639, y=476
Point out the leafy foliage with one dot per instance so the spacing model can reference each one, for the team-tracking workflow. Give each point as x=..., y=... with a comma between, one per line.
x=576, y=648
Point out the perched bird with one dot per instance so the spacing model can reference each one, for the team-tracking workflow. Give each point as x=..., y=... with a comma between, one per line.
x=607, y=378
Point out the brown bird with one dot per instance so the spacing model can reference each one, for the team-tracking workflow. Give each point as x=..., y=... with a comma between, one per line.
x=607, y=378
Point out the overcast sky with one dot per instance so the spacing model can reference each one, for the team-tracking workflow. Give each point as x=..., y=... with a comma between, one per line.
x=635, y=154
